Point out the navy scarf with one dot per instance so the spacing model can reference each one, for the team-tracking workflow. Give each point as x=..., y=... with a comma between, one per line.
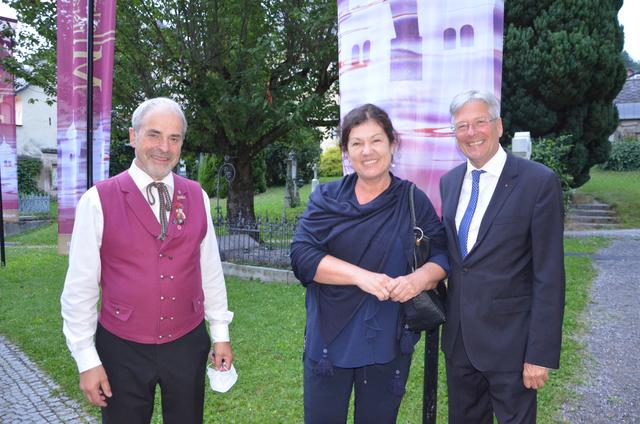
x=362, y=235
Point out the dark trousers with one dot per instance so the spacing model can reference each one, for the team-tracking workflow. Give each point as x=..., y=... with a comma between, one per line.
x=474, y=396
x=134, y=370
x=378, y=392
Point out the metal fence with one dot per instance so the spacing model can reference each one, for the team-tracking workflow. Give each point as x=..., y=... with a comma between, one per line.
x=264, y=242
x=32, y=203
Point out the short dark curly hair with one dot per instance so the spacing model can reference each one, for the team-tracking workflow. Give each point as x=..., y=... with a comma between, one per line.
x=362, y=114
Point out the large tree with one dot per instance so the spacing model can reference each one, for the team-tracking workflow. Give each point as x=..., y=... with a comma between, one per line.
x=562, y=69
x=248, y=72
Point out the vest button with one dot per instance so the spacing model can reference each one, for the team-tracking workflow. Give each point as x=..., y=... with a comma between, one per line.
x=117, y=311
x=159, y=337
x=170, y=336
x=171, y=277
x=160, y=255
x=161, y=297
x=172, y=318
x=161, y=276
x=173, y=298
x=161, y=318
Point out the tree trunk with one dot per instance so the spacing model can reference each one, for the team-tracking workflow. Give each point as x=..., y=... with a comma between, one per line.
x=240, y=200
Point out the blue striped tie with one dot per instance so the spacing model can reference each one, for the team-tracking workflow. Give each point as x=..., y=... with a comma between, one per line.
x=463, y=231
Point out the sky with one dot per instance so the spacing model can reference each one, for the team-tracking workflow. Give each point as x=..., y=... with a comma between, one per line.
x=628, y=16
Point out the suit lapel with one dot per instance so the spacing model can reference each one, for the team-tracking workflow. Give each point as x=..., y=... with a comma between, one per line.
x=139, y=205
x=504, y=188
x=450, y=204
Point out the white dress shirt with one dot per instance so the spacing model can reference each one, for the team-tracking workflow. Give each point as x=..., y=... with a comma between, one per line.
x=488, y=183
x=82, y=284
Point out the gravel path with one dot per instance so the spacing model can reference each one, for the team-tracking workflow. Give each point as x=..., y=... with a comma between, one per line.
x=611, y=390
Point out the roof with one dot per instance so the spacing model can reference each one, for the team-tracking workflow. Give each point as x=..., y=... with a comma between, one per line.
x=20, y=84
x=628, y=99
x=630, y=92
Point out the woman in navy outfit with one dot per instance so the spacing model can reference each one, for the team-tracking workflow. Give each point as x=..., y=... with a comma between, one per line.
x=352, y=252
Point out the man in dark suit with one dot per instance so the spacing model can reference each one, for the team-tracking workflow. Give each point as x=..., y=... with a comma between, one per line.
x=504, y=221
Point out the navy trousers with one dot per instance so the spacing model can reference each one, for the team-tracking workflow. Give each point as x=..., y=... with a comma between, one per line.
x=378, y=392
x=135, y=369
x=475, y=396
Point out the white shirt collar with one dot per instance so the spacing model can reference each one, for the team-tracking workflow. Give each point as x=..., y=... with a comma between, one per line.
x=142, y=179
x=493, y=166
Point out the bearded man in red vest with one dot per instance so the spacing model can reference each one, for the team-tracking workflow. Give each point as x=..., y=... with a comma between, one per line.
x=143, y=243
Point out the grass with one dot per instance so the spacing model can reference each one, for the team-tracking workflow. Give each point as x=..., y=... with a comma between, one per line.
x=618, y=189
x=271, y=202
x=267, y=336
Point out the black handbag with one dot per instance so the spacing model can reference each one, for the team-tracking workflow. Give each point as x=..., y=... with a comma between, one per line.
x=426, y=311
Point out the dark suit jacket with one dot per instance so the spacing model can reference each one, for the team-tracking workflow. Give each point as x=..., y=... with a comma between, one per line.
x=507, y=295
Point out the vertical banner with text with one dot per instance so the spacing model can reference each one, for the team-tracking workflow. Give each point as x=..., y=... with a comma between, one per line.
x=411, y=57
x=8, y=156
x=72, y=56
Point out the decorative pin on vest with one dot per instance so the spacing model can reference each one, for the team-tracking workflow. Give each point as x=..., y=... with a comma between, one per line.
x=180, y=215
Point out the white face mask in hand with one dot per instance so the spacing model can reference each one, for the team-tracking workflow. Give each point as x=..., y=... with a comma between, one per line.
x=222, y=381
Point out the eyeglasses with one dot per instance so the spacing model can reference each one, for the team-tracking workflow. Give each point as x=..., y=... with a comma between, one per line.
x=478, y=124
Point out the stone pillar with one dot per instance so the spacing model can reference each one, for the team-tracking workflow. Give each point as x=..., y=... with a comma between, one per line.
x=291, y=195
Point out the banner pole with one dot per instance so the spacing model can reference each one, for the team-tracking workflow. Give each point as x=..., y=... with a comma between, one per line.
x=2, y=255
x=89, y=94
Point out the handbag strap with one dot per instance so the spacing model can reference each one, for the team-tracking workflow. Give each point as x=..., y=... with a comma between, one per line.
x=417, y=231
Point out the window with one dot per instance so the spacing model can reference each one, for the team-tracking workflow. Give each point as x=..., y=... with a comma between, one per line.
x=449, y=39
x=18, y=110
x=466, y=36
x=366, y=51
x=355, y=55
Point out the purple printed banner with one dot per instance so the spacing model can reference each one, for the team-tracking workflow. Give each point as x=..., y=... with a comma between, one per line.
x=8, y=156
x=411, y=58
x=72, y=103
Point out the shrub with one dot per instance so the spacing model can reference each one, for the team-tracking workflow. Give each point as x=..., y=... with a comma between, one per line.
x=207, y=176
x=624, y=156
x=331, y=162
x=555, y=153
x=28, y=172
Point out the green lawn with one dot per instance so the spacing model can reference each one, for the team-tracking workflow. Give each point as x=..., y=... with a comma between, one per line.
x=618, y=189
x=267, y=336
x=271, y=202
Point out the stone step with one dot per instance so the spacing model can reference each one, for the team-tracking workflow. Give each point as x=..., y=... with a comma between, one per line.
x=589, y=226
x=593, y=219
x=592, y=212
x=591, y=206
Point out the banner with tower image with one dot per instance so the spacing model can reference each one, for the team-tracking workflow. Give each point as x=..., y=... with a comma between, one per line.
x=411, y=57
x=72, y=61
x=8, y=156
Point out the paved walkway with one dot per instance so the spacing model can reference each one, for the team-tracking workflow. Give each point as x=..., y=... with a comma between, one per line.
x=28, y=395
x=611, y=393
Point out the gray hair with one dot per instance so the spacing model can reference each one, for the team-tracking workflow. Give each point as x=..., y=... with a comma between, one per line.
x=156, y=103
x=474, y=95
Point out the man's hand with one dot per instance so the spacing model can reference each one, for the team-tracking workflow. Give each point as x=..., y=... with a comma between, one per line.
x=95, y=385
x=534, y=376
x=222, y=356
